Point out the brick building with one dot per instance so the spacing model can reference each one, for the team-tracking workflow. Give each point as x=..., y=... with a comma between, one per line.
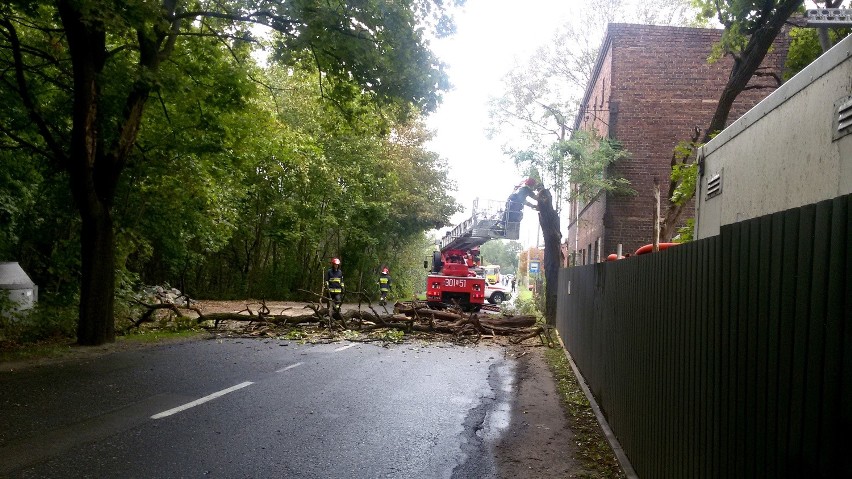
x=652, y=85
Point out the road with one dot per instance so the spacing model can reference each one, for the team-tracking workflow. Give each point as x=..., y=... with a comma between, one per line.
x=252, y=408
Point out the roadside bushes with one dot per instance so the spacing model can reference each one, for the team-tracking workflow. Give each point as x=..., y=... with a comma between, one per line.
x=43, y=322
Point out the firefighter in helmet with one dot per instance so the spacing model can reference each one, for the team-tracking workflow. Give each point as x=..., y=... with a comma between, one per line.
x=384, y=286
x=334, y=284
x=516, y=202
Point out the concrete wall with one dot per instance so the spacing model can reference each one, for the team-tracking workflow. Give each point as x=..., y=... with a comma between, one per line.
x=782, y=154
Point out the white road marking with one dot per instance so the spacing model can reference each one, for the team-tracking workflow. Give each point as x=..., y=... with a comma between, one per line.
x=201, y=401
x=288, y=367
x=344, y=347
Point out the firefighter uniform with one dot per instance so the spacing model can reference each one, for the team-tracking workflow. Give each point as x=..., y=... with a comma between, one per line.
x=334, y=284
x=384, y=286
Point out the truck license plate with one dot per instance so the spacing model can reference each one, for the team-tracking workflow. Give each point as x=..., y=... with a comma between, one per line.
x=455, y=282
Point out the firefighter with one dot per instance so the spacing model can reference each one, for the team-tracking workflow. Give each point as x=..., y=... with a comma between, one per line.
x=518, y=198
x=516, y=201
x=384, y=286
x=334, y=284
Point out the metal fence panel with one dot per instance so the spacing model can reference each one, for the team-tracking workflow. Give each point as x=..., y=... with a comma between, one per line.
x=726, y=357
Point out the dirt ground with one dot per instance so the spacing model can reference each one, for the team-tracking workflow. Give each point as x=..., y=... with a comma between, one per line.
x=539, y=443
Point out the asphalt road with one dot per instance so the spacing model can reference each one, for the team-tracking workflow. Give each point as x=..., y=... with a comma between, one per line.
x=253, y=408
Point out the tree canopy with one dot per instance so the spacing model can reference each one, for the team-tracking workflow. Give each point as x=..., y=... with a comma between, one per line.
x=146, y=134
x=543, y=94
x=751, y=27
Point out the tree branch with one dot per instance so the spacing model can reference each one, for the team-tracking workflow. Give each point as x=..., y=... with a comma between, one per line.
x=26, y=97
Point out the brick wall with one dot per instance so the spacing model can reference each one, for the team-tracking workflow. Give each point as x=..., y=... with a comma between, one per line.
x=655, y=87
x=590, y=229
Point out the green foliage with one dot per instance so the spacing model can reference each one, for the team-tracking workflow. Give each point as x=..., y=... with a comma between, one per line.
x=156, y=335
x=243, y=180
x=685, y=233
x=323, y=187
x=525, y=303
x=392, y=336
x=349, y=334
x=6, y=304
x=587, y=159
x=805, y=48
x=585, y=162
x=594, y=451
x=295, y=334
x=200, y=162
x=685, y=175
x=543, y=94
x=503, y=253
x=42, y=322
x=18, y=189
x=742, y=19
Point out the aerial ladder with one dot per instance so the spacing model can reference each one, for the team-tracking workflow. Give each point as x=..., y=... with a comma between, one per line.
x=455, y=277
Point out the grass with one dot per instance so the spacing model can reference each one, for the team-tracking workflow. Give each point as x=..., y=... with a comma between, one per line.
x=156, y=335
x=37, y=350
x=593, y=449
x=58, y=347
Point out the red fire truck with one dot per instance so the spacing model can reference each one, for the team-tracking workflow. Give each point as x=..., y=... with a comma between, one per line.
x=455, y=277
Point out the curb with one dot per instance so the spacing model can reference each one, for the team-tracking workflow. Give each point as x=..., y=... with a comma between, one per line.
x=623, y=461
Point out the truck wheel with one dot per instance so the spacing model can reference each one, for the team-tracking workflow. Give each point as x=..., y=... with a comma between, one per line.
x=496, y=298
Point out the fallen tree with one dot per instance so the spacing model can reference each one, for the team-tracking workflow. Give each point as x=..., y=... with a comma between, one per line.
x=407, y=317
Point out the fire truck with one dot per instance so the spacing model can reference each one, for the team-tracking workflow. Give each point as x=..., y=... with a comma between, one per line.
x=456, y=277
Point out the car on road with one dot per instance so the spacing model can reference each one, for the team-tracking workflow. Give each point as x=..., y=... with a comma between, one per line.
x=497, y=293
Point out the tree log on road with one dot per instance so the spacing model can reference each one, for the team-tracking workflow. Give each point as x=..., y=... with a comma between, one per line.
x=406, y=317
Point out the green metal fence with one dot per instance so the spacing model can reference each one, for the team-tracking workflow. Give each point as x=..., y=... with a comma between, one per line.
x=725, y=357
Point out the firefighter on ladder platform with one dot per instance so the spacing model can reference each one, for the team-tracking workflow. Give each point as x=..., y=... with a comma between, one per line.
x=334, y=284
x=515, y=205
x=384, y=286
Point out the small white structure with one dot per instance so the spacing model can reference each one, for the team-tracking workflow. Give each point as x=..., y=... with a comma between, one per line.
x=792, y=149
x=18, y=286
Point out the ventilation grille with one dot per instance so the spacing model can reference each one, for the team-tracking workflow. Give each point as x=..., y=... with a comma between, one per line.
x=843, y=120
x=714, y=186
x=835, y=17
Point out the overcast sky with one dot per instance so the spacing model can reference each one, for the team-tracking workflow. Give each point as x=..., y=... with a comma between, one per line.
x=492, y=36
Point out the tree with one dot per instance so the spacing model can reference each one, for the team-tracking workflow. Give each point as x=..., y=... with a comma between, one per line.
x=751, y=27
x=806, y=45
x=293, y=182
x=542, y=96
x=77, y=76
x=585, y=162
x=549, y=220
x=503, y=253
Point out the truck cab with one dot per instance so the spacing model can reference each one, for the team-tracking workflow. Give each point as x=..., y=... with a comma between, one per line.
x=492, y=273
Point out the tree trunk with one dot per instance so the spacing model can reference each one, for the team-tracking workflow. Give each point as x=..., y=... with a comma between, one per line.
x=94, y=169
x=748, y=62
x=549, y=220
x=97, y=285
x=85, y=166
